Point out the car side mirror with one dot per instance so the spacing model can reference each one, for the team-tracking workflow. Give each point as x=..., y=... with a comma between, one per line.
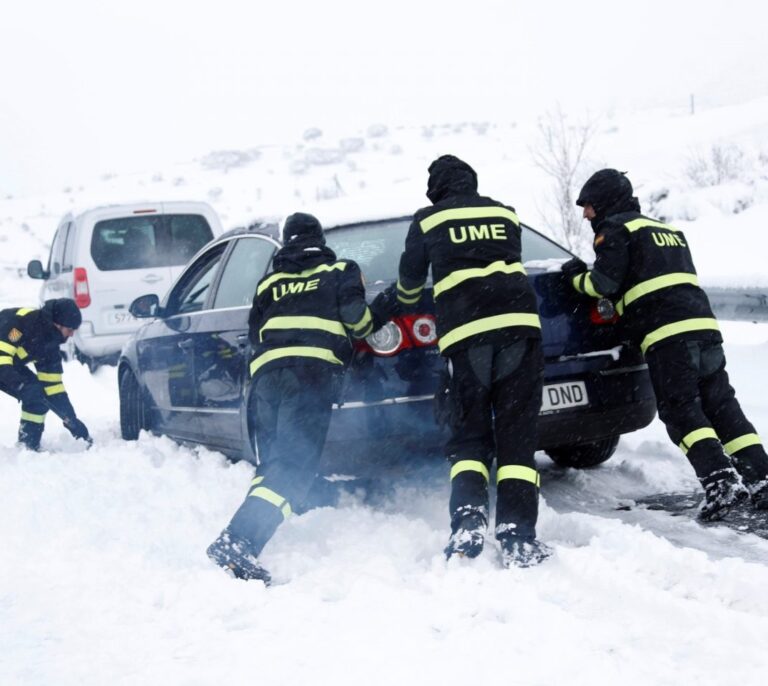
x=35, y=270
x=146, y=306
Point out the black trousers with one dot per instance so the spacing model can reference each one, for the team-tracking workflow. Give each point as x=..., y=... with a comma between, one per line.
x=498, y=396
x=698, y=406
x=26, y=388
x=292, y=407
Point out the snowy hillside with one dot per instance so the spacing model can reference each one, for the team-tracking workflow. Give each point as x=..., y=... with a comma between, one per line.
x=104, y=579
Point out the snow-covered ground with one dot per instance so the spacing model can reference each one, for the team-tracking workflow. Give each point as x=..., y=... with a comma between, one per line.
x=104, y=578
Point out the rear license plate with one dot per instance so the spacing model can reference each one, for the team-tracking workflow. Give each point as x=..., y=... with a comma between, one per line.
x=561, y=396
x=120, y=317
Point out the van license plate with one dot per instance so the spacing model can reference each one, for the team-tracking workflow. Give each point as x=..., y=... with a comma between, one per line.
x=561, y=396
x=121, y=317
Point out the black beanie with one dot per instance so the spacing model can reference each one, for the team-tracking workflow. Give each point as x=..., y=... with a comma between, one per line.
x=66, y=313
x=301, y=228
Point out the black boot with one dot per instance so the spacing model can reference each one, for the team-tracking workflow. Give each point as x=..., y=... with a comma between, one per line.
x=232, y=556
x=759, y=494
x=30, y=434
x=522, y=551
x=723, y=491
x=468, y=531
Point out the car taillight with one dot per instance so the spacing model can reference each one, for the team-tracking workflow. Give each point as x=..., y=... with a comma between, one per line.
x=82, y=293
x=409, y=331
x=603, y=312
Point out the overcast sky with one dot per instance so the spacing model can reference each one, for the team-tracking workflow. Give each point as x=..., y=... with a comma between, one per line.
x=90, y=87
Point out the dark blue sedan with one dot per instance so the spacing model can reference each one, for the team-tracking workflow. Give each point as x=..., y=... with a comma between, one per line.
x=184, y=373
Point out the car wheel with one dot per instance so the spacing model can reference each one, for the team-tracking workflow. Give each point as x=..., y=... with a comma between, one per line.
x=131, y=407
x=585, y=454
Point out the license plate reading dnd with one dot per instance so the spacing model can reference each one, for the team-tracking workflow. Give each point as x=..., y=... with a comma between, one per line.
x=560, y=396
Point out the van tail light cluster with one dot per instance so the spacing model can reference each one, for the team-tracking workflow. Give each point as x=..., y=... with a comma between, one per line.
x=401, y=333
x=603, y=312
x=82, y=292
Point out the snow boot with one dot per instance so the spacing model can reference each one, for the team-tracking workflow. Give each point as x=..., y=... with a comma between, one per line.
x=522, y=551
x=468, y=535
x=759, y=494
x=723, y=491
x=232, y=556
x=30, y=434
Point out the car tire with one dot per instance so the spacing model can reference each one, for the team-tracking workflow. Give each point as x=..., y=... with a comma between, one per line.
x=131, y=407
x=584, y=455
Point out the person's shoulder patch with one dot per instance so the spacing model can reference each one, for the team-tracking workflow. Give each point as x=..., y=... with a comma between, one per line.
x=14, y=335
x=599, y=239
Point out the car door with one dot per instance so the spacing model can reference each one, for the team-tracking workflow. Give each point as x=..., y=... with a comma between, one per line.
x=221, y=341
x=166, y=351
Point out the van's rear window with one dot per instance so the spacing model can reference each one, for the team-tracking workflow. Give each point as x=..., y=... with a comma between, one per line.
x=162, y=240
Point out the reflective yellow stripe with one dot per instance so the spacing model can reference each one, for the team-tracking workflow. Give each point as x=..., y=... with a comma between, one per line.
x=742, y=442
x=29, y=417
x=516, y=471
x=362, y=324
x=583, y=284
x=257, y=480
x=8, y=348
x=685, y=326
x=469, y=466
x=341, y=266
x=696, y=436
x=499, y=321
x=459, y=213
x=455, y=278
x=642, y=223
x=53, y=390
x=46, y=376
x=329, y=325
x=4, y=359
x=412, y=291
x=294, y=351
x=21, y=353
x=24, y=310
x=408, y=301
x=273, y=498
x=655, y=284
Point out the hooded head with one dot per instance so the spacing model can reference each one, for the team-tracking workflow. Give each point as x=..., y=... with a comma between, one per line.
x=65, y=312
x=609, y=192
x=303, y=230
x=448, y=175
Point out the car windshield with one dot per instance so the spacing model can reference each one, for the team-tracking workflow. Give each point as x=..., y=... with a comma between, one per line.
x=167, y=240
x=377, y=246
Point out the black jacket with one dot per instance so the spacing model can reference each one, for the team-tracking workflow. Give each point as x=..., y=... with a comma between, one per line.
x=646, y=268
x=480, y=288
x=306, y=309
x=29, y=335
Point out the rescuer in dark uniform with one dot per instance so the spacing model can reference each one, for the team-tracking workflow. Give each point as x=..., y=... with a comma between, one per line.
x=303, y=316
x=488, y=328
x=646, y=268
x=30, y=335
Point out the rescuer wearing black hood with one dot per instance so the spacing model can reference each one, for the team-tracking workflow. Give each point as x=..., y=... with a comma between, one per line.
x=646, y=268
x=488, y=328
x=303, y=316
x=34, y=335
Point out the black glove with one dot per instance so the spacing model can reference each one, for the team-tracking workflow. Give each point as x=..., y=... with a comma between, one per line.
x=78, y=429
x=385, y=306
x=574, y=267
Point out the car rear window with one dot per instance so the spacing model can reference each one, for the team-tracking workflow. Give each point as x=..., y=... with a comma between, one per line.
x=163, y=240
x=376, y=247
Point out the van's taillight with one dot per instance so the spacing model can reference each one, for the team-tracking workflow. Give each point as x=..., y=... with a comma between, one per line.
x=82, y=293
x=603, y=312
x=409, y=331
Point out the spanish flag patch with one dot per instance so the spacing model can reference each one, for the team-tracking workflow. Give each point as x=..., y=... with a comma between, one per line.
x=14, y=335
x=599, y=239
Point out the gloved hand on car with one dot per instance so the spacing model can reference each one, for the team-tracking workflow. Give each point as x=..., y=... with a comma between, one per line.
x=385, y=306
x=574, y=267
x=78, y=429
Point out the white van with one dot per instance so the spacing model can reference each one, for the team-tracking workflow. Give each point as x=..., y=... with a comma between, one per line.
x=106, y=257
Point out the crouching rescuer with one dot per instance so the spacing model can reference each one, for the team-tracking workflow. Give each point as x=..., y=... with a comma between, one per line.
x=303, y=316
x=645, y=267
x=34, y=335
x=489, y=331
